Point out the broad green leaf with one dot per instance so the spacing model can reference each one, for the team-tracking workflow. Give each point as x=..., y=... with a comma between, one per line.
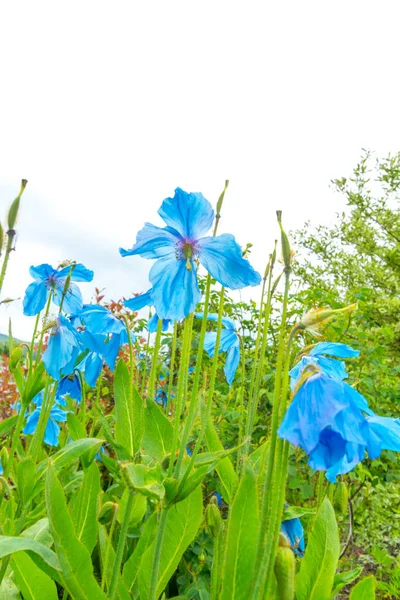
x=122, y=590
x=343, y=579
x=138, y=509
x=225, y=469
x=75, y=427
x=158, y=432
x=128, y=410
x=84, y=508
x=26, y=479
x=75, y=561
x=35, y=384
x=31, y=581
x=9, y=545
x=318, y=567
x=206, y=458
x=69, y=454
x=183, y=521
x=256, y=457
x=40, y=532
x=147, y=481
x=131, y=567
x=7, y=425
x=241, y=536
x=364, y=590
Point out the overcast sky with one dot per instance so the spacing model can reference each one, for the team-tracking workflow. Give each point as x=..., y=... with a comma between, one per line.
x=106, y=107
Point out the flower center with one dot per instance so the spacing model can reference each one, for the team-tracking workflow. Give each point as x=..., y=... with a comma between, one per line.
x=186, y=251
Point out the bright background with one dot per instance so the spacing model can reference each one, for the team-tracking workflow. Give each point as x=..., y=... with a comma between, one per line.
x=106, y=107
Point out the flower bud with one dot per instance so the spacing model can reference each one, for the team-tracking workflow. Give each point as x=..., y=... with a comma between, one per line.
x=286, y=254
x=221, y=199
x=14, y=208
x=4, y=457
x=315, y=318
x=15, y=357
x=285, y=570
x=107, y=512
x=213, y=519
x=341, y=498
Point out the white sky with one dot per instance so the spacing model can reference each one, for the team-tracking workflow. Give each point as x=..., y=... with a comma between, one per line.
x=106, y=107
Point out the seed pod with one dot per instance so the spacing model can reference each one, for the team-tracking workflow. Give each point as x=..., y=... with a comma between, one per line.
x=285, y=570
x=341, y=498
x=15, y=357
x=107, y=512
x=213, y=519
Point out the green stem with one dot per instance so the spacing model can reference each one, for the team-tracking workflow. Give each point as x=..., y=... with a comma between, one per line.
x=83, y=399
x=215, y=569
x=144, y=375
x=258, y=338
x=48, y=400
x=154, y=364
x=121, y=547
x=108, y=548
x=172, y=364
x=32, y=344
x=157, y=554
x=46, y=314
x=97, y=404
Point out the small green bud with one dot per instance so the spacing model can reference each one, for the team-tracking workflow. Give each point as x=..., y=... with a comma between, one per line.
x=213, y=519
x=275, y=284
x=286, y=254
x=14, y=208
x=221, y=199
x=4, y=457
x=202, y=557
x=285, y=570
x=341, y=498
x=273, y=255
x=15, y=357
x=107, y=512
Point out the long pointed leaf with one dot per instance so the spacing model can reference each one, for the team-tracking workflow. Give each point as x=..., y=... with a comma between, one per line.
x=33, y=583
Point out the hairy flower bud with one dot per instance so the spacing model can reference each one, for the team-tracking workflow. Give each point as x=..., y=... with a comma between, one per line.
x=4, y=457
x=286, y=253
x=15, y=357
x=213, y=518
x=107, y=512
x=341, y=498
x=14, y=208
x=315, y=318
x=285, y=569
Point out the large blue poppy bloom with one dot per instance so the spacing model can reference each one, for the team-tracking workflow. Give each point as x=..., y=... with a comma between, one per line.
x=52, y=431
x=332, y=368
x=293, y=529
x=48, y=279
x=69, y=386
x=229, y=343
x=62, y=349
x=180, y=246
x=142, y=300
x=326, y=419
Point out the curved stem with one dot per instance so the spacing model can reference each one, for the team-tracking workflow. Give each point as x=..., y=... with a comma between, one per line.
x=121, y=547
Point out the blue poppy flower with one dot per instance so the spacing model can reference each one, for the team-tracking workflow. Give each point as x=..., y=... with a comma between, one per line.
x=161, y=398
x=229, y=343
x=332, y=368
x=48, y=279
x=52, y=431
x=218, y=498
x=69, y=386
x=293, y=529
x=179, y=247
x=142, y=300
x=62, y=349
x=383, y=434
x=326, y=419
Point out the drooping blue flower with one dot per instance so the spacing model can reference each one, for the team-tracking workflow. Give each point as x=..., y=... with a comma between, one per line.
x=69, y=386
x=142, y=300
x=52, y=431
x=383, y=434
x=326, y=419
x=229, y=343
x=293, y=529
x=180, y=246
x=48, y=279
x=332, y=368
x=62, y=349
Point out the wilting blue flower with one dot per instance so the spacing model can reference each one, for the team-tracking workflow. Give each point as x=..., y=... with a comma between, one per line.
x=179, y=247
x=142, y=300
x=229, y=343
x=62, y=349
x=69, y=386
x=52, y=431
x=332, y=368
x=294, y=531
x=48, y=279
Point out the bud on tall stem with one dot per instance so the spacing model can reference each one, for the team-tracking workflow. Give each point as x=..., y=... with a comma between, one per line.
x=11, y=220
x=284, y=242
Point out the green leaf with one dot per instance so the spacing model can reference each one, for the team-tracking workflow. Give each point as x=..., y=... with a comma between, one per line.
x=40, y=532
x=84, y=508
x=295, y=512
x=225, y=469
x=147, y=481
x=75, y=427
x=343, y=579
x=7, y=425
x=9, y=545
x=67, y=455
x=242, y=533
x=74, y=558
x=131, y=567
x=129, y=407
x=256, y=457
x=364, y=590
x=34, y=385
x=138, y=509
x=26, y=479
x=8, y=590
x=31, y=581
x=183, y=521
x=158, y=432
x=318, y=567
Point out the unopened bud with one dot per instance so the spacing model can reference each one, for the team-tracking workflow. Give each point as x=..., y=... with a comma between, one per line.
x=285, y=570
x=273, y=255
x=315, y=318
x=15, y=357
x=221, y=199
x=213, y=519
x=14, y=208
x=275, y=284
x=286, y=254
x=341, y=498
x=4, y=457
x=107, y=512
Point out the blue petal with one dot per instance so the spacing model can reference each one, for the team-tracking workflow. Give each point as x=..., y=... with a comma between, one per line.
x=228, y=340
x=70, y=387
x=188, y=213
x=58, y=414
x=152, y=324
x=42, y=272
x=226, y=321
x=92, y=365
x=38, y=399
x=232, y=363
x=330, y=367
x=293, y=529
x=175, y=288
x=51, y=433
x=100, y=320
x=62, y=350
x=31, y=422
x=384, y=434
x=210, y=340
x=334, y=349
x=138, y=302
x=113, y=345
x=35, y=298
x=334, y=455
x=73, y=300
x=222, y=257
x=153, y=242
x=80, y=273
